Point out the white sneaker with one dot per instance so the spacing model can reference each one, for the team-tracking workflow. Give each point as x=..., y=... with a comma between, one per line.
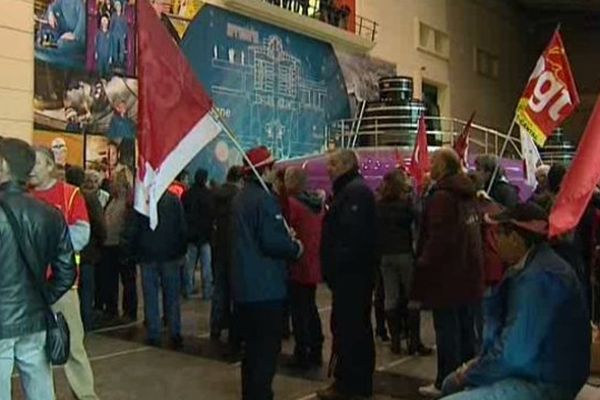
x=430, y=391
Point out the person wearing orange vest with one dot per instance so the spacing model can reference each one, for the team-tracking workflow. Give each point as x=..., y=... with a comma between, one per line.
x=69, y=200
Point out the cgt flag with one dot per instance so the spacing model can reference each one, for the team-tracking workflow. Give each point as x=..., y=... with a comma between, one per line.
x=550, y=95
x=419, y=163
x=175, y=119
x=580, y=182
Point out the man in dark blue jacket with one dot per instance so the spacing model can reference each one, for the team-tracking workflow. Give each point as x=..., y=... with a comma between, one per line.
x=348, y=259
x=261, y=247
x=536, y=343
x=161, y=253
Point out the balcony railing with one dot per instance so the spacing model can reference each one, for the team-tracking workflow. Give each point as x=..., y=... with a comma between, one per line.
x=401, y=132
x=328, y=12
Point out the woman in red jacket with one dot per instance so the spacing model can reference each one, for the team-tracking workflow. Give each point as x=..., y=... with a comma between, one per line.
x=305, y=213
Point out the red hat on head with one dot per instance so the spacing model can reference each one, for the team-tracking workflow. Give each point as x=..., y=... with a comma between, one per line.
x=260, y=157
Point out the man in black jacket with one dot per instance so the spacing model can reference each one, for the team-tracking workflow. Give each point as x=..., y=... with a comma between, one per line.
x=348, y=254
x=161, y=254
x=503, y=192
x=220, y=314
x=198, y=203
x=23, y=310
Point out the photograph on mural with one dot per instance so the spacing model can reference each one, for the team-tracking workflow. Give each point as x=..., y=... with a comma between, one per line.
x=68, y=148
x=76, y=103
x=111, y=38
x=275, y=87
x=60, y=33
x=362, y=74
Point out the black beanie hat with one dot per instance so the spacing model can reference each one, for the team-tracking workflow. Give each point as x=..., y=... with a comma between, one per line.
x=19, y=156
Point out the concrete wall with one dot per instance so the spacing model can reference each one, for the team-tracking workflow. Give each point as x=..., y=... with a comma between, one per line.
x=490, y=25
x=583, y=50
x=16, y=68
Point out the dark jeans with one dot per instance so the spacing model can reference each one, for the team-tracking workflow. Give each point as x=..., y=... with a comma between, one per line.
x=86, y=295
x=128, y=275
x=308, y=334
x=107, y=281
x=221, y=307
x=379, y=305
x=455, y=339
x=260, y=326
x=167, y=276
x=353, y=335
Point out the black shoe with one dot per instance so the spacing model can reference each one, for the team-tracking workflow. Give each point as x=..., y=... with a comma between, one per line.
x=215, y=336
x=177, y=342
x=299, y=362
x=419, y=350
x=383, y=336
x=315, y=358
x=152, y=342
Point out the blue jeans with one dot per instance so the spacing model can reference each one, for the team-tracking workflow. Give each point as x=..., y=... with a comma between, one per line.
x=29, y=355
x=198, y=254
x=511, y=389
x=165, y=275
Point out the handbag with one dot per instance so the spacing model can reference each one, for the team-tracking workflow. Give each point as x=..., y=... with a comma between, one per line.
x=57, y=331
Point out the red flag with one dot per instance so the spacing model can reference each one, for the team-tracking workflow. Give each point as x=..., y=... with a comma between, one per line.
x=419, y=162
x=175, y=122
x=400, y=164
x=550, y=95
x=461, y=146
x=580, y=182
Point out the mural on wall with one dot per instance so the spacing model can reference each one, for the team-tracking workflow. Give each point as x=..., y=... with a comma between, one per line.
x=274, y=87
x=85, y=93
x=362, y=74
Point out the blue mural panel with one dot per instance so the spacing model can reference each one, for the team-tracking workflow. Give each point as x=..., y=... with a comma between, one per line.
x=274, y=87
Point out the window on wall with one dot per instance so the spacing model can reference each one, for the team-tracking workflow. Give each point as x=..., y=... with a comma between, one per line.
x=486, y=64
x=432, y=40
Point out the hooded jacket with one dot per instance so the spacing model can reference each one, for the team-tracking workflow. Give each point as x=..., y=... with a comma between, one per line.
x=306, y=217
x=449, y=251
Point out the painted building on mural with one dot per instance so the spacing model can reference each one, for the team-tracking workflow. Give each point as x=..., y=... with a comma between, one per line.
x=275, y=87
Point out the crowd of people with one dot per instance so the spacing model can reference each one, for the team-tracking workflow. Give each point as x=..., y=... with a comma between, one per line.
x=511, y=308
x=332, y=12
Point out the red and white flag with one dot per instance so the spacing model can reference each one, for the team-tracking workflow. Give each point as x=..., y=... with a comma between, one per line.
x=175, y=120
x=550, y=96
x=580, y=182
x=461, y=146
x=419, y=163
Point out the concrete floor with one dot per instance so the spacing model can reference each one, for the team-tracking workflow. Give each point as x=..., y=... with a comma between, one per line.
x=126, y=369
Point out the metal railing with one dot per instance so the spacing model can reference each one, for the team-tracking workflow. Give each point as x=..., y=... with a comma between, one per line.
x=328, y=12
x=401, y=131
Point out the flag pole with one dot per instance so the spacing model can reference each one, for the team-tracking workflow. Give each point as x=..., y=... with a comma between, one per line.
x=497, y=168
x=225, y=127
x=231, y=134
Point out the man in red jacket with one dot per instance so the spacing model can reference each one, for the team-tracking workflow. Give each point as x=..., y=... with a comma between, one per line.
x=305, y=212
x=448, y=274
x=69, y=200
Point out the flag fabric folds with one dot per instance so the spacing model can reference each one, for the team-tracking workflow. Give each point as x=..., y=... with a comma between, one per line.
x=419, y=163
x=580, y=182
x=550, y=95
x=531, y=157
x=461, y=145
x=175, y=118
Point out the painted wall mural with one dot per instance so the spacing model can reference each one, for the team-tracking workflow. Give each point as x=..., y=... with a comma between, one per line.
x=274, y=87
x=85, y=90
